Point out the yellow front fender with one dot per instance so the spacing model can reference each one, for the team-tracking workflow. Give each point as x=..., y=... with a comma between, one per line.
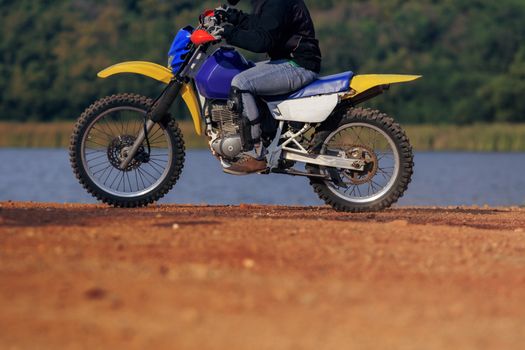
x=164, y=75
x=148, y=69
x=362, y=83
x=190, y=98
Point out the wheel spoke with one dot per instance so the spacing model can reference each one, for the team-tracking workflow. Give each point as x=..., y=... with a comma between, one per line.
x=107, y=178
x=110, y=137
x=160, y=166
x=129, y=182
x=98, y=144
x=151, y=136
x=136, y=179
x=141, y=178
x=159, y=160
x=102, y=175
x=154, y=168
x=95, y=158
x=106, y=168
x=97, y=165
x=151, y=176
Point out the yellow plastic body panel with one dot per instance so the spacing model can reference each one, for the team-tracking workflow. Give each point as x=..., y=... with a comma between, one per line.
x=362, y=83
x=163, y=75
x=148, y=69
x=190, y=98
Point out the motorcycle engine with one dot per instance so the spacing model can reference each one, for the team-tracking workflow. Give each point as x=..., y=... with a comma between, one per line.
x=226, y=124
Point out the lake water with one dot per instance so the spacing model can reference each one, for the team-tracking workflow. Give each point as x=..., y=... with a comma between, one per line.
x=496, y=179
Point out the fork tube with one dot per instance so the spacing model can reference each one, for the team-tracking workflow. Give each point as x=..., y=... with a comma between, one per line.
x=138, y=142
x=163, y=104
x=158, y=111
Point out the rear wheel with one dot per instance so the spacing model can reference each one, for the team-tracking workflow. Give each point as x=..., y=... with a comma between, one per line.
x=376, y=139
x=101, y=140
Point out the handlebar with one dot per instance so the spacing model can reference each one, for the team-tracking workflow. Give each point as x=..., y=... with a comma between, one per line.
x=209, y=22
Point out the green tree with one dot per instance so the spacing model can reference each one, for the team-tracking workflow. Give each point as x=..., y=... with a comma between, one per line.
x=470, y=52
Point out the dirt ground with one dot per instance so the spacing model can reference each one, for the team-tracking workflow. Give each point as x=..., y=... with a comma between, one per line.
x=258, y=277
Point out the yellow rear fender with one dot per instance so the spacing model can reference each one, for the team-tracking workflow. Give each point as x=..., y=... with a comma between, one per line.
x=164, y=75
x=363, y=83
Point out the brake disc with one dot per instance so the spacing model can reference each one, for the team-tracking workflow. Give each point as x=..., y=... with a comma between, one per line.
x=118, y=151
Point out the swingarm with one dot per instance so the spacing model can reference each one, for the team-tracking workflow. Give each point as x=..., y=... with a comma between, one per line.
x=292, y=150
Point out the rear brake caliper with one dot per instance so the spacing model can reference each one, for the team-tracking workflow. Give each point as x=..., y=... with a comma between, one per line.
x=369, y=157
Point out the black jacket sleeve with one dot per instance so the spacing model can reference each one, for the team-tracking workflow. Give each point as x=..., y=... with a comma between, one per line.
x=258, y=33
x=238, y=18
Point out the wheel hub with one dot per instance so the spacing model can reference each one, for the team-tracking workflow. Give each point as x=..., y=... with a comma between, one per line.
x=118, y=151
x=366, y=155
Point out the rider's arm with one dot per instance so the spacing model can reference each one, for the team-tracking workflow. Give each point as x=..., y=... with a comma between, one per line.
x=239, y=19
x=258, y=34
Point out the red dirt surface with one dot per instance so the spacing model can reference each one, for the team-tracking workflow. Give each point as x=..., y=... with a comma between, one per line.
x=258, y=277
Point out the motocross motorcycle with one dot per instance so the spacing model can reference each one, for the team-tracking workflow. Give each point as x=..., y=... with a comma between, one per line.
x=128, y=151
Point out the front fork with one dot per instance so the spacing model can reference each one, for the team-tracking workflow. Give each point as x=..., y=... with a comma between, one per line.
x=157, y=112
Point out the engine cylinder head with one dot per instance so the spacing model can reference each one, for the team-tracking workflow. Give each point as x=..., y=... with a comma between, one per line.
x=227, y=123
x=227, y=120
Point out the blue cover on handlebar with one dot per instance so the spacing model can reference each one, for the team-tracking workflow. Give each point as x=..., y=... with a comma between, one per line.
x=180, y=48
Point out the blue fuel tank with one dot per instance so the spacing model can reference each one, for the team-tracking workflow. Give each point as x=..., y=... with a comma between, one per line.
x=215, y=76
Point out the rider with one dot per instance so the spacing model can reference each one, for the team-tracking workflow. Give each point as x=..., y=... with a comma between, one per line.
x=284, y=30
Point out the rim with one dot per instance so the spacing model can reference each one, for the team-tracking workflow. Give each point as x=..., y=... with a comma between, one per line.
x=106, y=140
x=379, y=148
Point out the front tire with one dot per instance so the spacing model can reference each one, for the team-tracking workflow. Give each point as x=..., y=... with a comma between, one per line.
x=102, y=135
x=349, y=194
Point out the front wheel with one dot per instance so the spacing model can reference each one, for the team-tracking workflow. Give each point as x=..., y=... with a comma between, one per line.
x=102, y=138
x=376, y=139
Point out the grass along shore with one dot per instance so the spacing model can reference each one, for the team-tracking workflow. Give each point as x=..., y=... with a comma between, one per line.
x=475, y=138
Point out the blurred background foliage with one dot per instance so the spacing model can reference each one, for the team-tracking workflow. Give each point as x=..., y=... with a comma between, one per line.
x=471, y=52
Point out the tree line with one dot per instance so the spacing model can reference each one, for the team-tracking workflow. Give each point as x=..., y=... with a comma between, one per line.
x=471, y=53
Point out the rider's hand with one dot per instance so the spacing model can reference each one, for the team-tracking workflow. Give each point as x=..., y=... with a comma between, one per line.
x=234, y=16
x=222, y=15
x=221, y=31
x=226, y=14
x=216, y=31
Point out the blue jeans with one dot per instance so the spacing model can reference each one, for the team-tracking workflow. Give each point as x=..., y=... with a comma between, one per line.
x=269, y=78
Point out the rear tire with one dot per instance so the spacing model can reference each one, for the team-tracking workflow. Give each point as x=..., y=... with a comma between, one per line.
x=401, y=149
x=87, y=121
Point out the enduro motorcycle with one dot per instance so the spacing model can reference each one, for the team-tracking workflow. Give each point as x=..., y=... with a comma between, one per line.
x=128, y=151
